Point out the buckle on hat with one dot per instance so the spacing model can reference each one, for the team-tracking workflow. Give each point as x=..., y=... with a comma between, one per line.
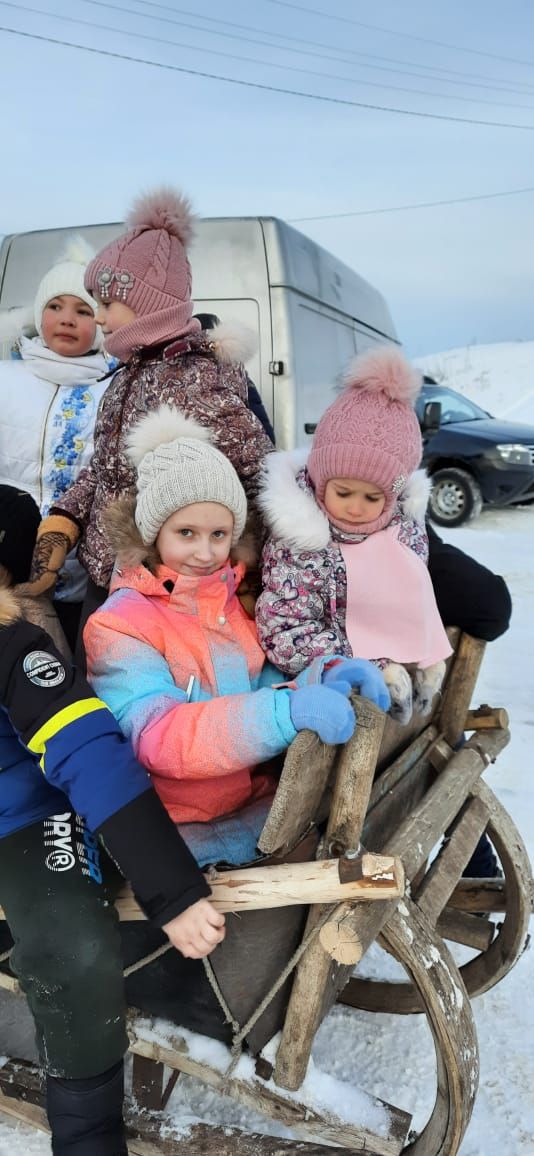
x=398, y=484
x=104, y=281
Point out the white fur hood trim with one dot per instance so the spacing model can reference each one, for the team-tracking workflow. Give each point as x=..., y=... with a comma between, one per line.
x=292, y=516
x=233, y=342
x=13, y=322
x=415, y=495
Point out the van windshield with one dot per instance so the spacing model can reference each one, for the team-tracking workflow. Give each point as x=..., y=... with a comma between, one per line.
x=454, y=407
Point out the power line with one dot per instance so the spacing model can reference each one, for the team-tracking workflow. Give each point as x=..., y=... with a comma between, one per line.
x=494, y=85
x=420, y=205
x=343, y=101
x=267, y=63
x=394, y=32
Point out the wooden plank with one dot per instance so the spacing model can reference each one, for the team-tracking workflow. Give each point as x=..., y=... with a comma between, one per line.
x=479, y=895
x=417, y=835
x=355, y=771
x=147, y=1083
x=442, y=876
x=295, y=1113
x=307, y=767
x=462, y=927
x=486, y=716
x=388, y=779
x=144, y=1129
x=460, y=687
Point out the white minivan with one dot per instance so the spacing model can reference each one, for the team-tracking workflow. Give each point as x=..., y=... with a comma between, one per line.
x=309, y=311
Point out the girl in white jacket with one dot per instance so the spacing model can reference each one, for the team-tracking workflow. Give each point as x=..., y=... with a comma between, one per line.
x=50, y=391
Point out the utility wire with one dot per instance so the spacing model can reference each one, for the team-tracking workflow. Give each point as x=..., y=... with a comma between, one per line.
x=494, y=85
x=267, y=63
x=344, y=102
x=394, y=32
x=405, y=208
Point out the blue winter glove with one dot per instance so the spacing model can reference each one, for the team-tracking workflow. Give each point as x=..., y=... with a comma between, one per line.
x=317, y=708
x=366, y=678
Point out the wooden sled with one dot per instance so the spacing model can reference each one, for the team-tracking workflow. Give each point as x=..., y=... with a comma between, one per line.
x=413, y=796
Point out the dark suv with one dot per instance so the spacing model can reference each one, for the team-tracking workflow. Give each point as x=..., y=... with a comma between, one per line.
x=473, y=458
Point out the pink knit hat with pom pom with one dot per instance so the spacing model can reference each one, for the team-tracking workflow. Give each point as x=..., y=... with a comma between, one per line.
x=147, y=268
x=371, y=431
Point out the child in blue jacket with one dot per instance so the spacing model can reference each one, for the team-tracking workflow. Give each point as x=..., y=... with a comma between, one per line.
x=68, y=780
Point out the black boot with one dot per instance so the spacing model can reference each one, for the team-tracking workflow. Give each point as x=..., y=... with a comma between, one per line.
x=86, y=1115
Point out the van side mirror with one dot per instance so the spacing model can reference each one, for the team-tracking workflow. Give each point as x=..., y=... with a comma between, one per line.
x=431, y=417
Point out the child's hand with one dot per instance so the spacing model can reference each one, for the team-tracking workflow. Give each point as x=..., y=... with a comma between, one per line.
x=367, y=679
x=197, y=930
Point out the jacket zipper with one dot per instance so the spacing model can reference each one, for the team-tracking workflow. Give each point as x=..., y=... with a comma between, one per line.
x=43, y=438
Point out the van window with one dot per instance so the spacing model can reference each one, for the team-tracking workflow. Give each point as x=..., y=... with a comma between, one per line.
x=323, y=346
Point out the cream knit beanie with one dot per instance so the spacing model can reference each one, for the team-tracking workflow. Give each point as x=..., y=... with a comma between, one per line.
x=67, y=277
x=178, y=465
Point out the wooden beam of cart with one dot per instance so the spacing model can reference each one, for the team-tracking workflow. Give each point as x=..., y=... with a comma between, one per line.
x=366, y=877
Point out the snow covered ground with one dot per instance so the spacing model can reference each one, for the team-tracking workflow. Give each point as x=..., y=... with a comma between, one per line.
x=393, y=1058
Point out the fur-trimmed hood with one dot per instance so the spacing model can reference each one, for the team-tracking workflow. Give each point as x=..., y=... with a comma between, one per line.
x=292, y=514
x=130, y=550
x=232, y=342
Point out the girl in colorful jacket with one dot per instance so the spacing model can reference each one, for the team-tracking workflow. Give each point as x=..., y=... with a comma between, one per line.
x=344, y=569
x=175, y=656
x=50, y=392
x=142, y=285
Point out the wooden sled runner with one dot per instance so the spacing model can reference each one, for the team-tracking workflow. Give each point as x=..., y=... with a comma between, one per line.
x=393, y=803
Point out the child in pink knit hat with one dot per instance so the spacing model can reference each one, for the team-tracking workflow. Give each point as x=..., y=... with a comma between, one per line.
x=344, y=569
x=142, y=285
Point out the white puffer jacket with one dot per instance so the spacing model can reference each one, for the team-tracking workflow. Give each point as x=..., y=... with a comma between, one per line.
x=48, y=408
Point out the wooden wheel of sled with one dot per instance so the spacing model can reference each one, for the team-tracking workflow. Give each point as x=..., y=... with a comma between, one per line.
x=413, y=941
x=499, y=947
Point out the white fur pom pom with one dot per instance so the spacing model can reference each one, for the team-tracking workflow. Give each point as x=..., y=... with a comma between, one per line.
x=15, y=321
x=415, y=496
x=385, y=370
x=233, y=342
x=165, y=424
x=163, y=208
x=77, y=250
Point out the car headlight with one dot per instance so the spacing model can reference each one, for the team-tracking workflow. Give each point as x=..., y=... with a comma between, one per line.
x=516, y=454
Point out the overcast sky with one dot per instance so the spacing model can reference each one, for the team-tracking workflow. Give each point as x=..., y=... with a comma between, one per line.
x=84, y=132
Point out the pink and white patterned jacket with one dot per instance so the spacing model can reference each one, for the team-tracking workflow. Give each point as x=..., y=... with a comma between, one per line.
x=301, y=612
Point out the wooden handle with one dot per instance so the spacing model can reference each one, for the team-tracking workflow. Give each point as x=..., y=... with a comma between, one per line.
x=365, y=876
x=487, y=716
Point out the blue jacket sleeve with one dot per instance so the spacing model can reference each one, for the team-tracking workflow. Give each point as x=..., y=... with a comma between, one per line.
x=82, y=751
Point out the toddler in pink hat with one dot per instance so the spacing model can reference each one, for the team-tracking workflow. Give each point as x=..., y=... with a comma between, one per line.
x=344, y=569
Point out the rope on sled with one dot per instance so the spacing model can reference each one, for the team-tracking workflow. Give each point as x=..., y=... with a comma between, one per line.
x=240, y=1033
x=147, y=959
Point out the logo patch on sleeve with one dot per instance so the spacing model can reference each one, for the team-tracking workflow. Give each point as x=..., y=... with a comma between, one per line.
x=43, y=669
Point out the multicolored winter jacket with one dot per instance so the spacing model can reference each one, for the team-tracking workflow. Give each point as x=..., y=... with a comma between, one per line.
x=61, y=750
x=193, y=375
x=177, y=660
x=301, y=612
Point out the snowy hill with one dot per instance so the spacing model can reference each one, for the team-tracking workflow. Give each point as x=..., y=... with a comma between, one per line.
x=500, y=378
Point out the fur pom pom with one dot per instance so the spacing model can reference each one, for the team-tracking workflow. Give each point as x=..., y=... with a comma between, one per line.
x=164, y=425
x=13, y=322
x=415, y=495
x=10, y=608
x=77, y=250
x=385, y=370
x=233, y=342
x=163, y=208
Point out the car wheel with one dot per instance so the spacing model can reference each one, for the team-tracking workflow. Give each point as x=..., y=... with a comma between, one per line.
x=455, y=497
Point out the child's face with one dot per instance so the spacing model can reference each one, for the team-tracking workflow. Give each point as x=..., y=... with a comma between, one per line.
x=112, y=315
x=196, y=540
x=68, y=325
x=353, y=500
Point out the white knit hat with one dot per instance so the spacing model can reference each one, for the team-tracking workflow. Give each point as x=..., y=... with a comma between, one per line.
x=66, y=276
x=178, y=465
